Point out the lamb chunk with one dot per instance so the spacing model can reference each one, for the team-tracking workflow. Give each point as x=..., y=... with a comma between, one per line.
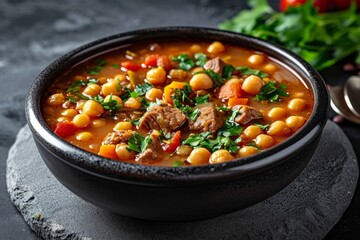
x=215, y=64
x=166, y=118
x=116, y=137
x=152, y=152
x=207, y=120
x=247, y=114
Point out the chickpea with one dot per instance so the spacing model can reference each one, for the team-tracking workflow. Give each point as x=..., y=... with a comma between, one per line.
x=252, y=131
x=154, y=94
x=102, y=80
x=133, y=103
x=81, y=120
x=199, y=156
x=298, y=95
x=247, y=151
x=80, y=104
x=278, y=128
x=216, y=47
x=220, y=156
x=63, y=119
x=195, y=48
x=92, y=90
x=256, y=59
x=123, y=126
x=197, y=69
x=98, y=122
x=252, y=84
x=295, y=122
x=178, y=74
x=277, y=113
x=111, y=87
x=270, y=68
x=201, y=81
x=56, y=99
x=297, y=104
x=123, y=153
x=84, y=136
x=120, y=77
x=264, y=141
x=70, y=113
x=156, y=76
x=113, y=97
x=92, y=108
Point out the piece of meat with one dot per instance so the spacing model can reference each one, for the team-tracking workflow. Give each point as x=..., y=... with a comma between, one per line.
x=116, y=137
x=166, y=118
x=152, y=153
x=247, y=114
x=207, y=120
x=215, y=64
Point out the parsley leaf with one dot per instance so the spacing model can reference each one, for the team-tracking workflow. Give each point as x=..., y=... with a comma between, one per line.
x=185, y=62
x=138, y=143
x=202, y=99
x=272, y=92
x=230, y=127
x=96, y=69
x=262, y=126
x=322, y=39
x=110, y=105
x=227, y=71
x=177, y=163
x=200, y=58
x=141, y=89
x=250, y=71
x=115, y=65
x=205, y=140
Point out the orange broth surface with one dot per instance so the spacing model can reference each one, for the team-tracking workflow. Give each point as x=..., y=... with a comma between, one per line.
x=104, y=89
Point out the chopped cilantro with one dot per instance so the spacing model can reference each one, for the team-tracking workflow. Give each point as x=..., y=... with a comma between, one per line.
x=253, y=144
x=138, y=143
x=177, y=163
x=135, y=122
x=230, y=127
x=156, y=103
x=110, y=105
x=250, y=71
x=185, y=62
x=206, y=140
x=272, y=92
x=224, y=109
x=227, y=71
x=115, y=65
x=96, y=69
x=262, y=126
x=200, y=58
x=144, y=103
x=181, y=98
x=202, y=99
x=143, y=88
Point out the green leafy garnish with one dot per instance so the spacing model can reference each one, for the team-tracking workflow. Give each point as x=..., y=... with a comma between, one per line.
x=181, y=101
x=250, y=71
x=96, y=69
x=200, y=58
x=74, y=87
x=110, y=105
x=262, y=126
x=223, y=109
x=202, y=99
x=138, y=143
x=135, y=122
x=115, y=65
x=227, y=71
x=230, y=127
x=253, y=144
x=205, y=140
x=177, y=163
x=215, y=77
x=141, y=89
x=322, y=39
x=272, y=92
x=185, y=62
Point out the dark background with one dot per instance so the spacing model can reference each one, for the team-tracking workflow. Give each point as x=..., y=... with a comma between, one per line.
x=34, y=33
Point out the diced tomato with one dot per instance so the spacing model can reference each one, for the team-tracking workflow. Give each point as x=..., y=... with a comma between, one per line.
x=130, y=65
x=155, y=60
x=151, y=60
x=65, y=129
x=237, y=101
x=175, y=142
x=164, y=61
x=108, y=151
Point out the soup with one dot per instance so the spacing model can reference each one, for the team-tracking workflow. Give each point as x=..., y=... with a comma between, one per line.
x=177, y=103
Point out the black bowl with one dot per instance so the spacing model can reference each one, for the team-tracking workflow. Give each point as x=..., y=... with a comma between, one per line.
x=176, y=193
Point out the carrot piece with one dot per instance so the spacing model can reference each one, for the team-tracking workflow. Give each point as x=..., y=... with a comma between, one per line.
x=231, y=89
x=130, y=65
x=174, y=143
x=237, y=101
x=169, y=90
x=151, y=60
x=108, y=151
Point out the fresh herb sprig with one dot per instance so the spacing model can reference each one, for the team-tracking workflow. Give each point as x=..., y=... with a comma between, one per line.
x=272, y=92
x=187, y=63
x=321, y=39
x=96, y=69
x=138, y=143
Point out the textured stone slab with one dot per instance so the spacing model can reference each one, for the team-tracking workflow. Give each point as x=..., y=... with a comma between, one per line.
x=307, y=209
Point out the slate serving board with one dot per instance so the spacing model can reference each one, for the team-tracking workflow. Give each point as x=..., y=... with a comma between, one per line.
x=307, y=209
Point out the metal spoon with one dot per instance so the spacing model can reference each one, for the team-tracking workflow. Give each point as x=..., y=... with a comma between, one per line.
x=352, y=94
x=339, y=105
